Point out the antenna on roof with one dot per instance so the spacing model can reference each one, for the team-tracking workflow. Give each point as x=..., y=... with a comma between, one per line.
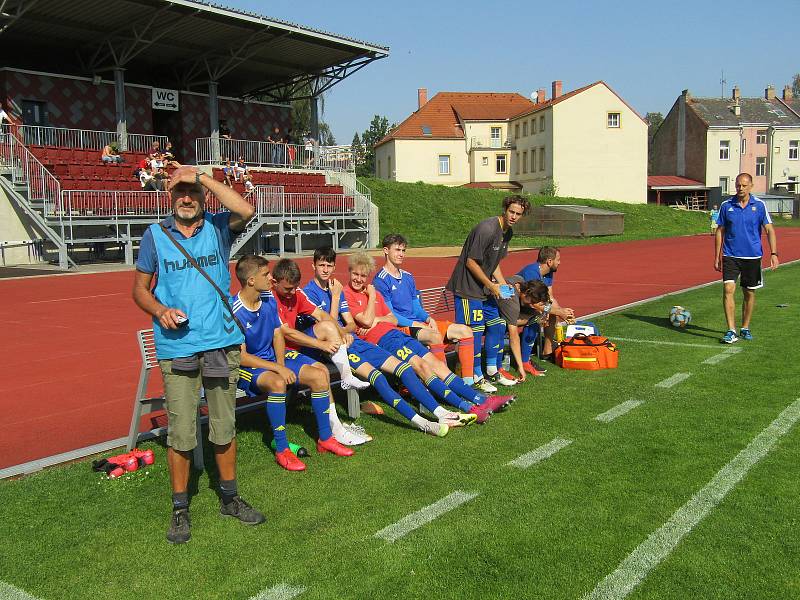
x=722, y=82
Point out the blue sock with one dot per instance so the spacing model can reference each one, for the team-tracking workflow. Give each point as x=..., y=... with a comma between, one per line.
x=463, y=390
x=276, y=413
x=495, y=330
x=414, y=385
x=528, y=339
x=477, y=336
x=439, y=389
x=389, y=395
x=321, y=404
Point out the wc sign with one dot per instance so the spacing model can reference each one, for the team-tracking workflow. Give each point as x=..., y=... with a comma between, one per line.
x=165, y=99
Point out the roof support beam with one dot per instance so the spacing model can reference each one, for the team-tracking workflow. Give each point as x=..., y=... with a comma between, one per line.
x=12, y=10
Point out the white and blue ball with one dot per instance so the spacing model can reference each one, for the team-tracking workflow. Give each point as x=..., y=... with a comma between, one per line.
x=679, y=317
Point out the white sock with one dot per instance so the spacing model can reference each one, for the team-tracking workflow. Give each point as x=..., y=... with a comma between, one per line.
x=491, y=370
x=333, y=419
x=440, y=412
x=339, y=358
x=420, y=422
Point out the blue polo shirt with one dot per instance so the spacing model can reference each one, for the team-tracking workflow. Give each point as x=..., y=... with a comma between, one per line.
x=742, y=235
x=531, y=272
x=401, y=296
x=324, y=299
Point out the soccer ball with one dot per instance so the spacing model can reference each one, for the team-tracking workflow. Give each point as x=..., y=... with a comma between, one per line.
x=679, y=316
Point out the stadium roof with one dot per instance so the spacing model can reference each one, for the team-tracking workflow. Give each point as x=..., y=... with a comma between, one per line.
x=179, y=44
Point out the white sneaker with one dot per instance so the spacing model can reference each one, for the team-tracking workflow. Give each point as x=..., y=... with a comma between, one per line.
x=500, y=379
x=358, y=430
x=348, y=438
x=354, y=382
x=434, y=429
x=484, y=386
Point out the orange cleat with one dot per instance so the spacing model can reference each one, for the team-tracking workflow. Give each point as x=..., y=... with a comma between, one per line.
x=331, y=445
x=371, y=408
x=289, y=461
x=532, y=370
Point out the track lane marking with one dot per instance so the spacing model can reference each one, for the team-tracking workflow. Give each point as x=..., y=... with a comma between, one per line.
x=75, y=298
x=539, y=454
x=673, y=380
x=425, y=515
x=658, y=545
x=618, y=411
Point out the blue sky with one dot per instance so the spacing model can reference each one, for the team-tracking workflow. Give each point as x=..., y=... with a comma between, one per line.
x=646, y=51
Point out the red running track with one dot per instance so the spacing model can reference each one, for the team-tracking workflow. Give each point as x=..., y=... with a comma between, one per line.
x=72, y=361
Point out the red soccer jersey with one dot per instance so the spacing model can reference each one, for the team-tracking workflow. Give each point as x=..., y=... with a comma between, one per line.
x=357, y=302
x=289, y=309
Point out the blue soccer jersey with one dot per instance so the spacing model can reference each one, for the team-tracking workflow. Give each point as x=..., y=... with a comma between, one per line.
x=742, y=238
x=401, y=296
x=531, y=272
x=259, y=325
x=323, y=299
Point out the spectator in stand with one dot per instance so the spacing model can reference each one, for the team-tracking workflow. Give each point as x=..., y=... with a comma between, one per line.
x=224, y=132
x=156, y=157
x=229, y=172
x=148, y=181
x=160, y=178
x=309, y=151
x=278, y=147
x=239, y=169
x=111, y=154
x=169, y=153
x=248, y=182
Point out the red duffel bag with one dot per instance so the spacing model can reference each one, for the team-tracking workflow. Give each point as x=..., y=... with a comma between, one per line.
x=587, y=353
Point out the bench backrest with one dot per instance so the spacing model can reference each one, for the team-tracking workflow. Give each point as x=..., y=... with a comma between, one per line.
x=437, y=300
x=147, y=347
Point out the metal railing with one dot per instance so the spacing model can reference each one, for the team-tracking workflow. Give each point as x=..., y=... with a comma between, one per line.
x=36, y=135
x=26, y=170
x=254, y=153
x=491, y=143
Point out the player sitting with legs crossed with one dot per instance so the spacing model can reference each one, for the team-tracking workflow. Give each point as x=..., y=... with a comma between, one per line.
x=326, y=337
x=263, y=367
x=399, y=291
x=379, y=326
x=326, y=292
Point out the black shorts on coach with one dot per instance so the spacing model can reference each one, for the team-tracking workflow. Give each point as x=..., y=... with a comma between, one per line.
x=747, y=270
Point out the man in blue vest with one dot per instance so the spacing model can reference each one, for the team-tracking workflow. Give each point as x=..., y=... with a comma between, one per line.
x=737, y=252
x=197, y=340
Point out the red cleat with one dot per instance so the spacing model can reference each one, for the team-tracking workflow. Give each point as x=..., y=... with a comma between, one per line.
x=289, y=461
x=482, y=411
x=331, y=445
x=532, y=370
x=495, y=403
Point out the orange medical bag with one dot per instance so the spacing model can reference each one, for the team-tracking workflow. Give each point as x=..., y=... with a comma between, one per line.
x=587, y=353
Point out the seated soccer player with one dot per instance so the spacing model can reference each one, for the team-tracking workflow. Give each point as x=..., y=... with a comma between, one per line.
x=264, y=363
x=379, y=326
x=399, y=291
x=529, y=302
x=325, y=339
x=544, y=270
x=367, y=360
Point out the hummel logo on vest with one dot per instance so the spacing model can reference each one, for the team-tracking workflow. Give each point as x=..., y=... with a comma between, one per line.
x=211, y=260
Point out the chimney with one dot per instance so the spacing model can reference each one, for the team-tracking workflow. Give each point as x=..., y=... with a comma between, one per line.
x=769, y=93
x=736, y=93
x=556, y=89
x=422, y=97
x=737, y=108
x=787, y=92
x=540, y=96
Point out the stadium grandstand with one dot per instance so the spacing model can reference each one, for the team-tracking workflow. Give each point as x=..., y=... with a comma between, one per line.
x=119, y=79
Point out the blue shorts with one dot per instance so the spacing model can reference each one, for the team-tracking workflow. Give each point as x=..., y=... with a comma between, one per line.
x=294, y=361
x=361, y=352
x=471, y=312
x=491, y=313
x=401, y=345
x=248, y=379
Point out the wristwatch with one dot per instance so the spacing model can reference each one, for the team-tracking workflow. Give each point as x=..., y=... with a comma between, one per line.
x=774, y=254
x=197, y=178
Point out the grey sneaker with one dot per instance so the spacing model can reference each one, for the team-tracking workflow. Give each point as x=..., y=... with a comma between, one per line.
x=241, y=510
x=179, y=531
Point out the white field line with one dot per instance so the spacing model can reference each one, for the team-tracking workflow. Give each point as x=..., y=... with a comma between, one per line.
x=618, y=411
x=674, y=380
x=541, y=453
x=660, y=343
x=415, y=520
x=718, y=358
x=661, y=542
x=282, y=591
x=9, y=592
x=75, y=298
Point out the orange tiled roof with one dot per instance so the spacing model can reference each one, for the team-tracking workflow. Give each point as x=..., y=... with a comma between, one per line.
x=444, y=112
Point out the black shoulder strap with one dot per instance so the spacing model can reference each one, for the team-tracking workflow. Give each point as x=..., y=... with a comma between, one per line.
x=202, y=272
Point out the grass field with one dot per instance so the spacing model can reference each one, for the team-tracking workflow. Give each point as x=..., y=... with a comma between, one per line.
x=553, y=530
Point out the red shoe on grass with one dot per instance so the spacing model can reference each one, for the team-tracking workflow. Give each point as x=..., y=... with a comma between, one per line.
x=288, y=460
x=331, y=445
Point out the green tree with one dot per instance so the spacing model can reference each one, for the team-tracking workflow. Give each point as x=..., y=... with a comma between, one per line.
x=796, y=85
x=378, y=129
x=358, y=150
x=326, y=135
x=654, y=121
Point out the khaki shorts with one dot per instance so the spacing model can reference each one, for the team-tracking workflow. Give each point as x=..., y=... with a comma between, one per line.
x=182, y=395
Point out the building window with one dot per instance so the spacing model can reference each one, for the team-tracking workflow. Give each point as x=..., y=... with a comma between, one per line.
x=793, y=149
x=744, y=146
x=516, y=131
x=761, y=136
x=533, y=125
x=541, y=124
x=613, y=120
x=500, y=163
x=761, y=166
x=444, y=164
x=525, y=161
x=541, y=159
x=485, y=161
x=723, y=185
x=724, y=150
x=495, y=137
x=533, y=160
x=524, y=128
x=516, y=166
